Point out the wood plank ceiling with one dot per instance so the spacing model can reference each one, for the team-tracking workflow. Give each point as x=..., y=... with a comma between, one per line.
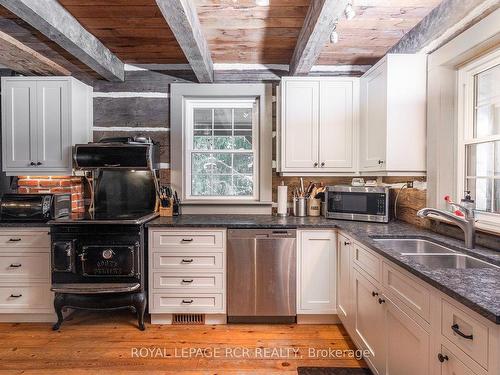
x=237, y=31
x=134, y=30
x=377, y=26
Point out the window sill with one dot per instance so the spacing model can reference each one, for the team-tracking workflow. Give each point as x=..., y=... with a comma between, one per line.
x=226, y=202
x=481, y=226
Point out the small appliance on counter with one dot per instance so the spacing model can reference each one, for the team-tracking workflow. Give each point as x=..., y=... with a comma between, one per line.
x=34, y=207
x=357, y=203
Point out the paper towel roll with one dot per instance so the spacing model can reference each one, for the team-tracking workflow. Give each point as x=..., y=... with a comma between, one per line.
x=282, y=200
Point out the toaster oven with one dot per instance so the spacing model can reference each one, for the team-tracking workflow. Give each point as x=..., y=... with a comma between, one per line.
x=34, y=207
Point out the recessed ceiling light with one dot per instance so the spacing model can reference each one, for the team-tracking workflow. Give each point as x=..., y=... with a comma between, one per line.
x=262, y=3
x=349, y=12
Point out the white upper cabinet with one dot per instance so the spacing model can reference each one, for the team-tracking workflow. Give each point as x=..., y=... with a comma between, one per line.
x=318, y=125
x=42, y=118
x=393, y=116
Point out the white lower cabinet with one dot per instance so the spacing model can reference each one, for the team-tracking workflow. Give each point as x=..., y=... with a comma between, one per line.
x=25, y=294
x=187, y=273
x=344, y=296
x=407, y=326
x=316, y=272
x=407, y=343
x=369, y=321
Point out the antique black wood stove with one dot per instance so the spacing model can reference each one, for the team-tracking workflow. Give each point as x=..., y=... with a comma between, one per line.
x=99, y=257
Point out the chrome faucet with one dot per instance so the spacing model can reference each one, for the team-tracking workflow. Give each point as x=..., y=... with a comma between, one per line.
x=466, y=223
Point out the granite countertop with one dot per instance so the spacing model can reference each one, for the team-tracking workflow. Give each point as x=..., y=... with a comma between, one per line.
x=475, y=288
x=22, y=224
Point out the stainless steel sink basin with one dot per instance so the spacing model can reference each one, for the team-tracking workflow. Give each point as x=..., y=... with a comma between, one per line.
x=415, y=246
x=457, y=261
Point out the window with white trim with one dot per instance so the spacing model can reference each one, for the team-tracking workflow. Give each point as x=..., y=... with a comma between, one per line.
x=221, y=149
x=479, y=138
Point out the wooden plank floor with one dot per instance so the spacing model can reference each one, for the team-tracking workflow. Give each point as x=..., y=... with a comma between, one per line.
x=110, y=343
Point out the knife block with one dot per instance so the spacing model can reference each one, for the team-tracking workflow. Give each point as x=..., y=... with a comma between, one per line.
x=167, y=211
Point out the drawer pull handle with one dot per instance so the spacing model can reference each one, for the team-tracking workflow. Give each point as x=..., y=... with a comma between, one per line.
x=16, y=295
x=346, y=243
x=442, y=358
x=456, y=329
x=185, y=240
x=14, y=239
x=187, y=281
x=187, y=261
x=381, y=301
x=187, y=301
x=15, y=265
x=374, y=294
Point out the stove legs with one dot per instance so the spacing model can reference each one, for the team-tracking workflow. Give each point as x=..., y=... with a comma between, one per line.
x=58, y=306
x=136, y=301
x=140, y=307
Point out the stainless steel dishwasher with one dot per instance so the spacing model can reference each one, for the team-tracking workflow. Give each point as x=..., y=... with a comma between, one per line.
x=261, y=273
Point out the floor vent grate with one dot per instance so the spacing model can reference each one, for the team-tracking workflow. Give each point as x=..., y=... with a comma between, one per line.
x=188, y=319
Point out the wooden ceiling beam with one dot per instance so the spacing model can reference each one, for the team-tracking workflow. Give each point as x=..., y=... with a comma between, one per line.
x=55, y=22
x=318, y=25
x=442, y=24
x=183, y=20
x=23, y=59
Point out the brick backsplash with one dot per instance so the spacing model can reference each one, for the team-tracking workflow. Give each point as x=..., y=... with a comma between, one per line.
x=55, y=184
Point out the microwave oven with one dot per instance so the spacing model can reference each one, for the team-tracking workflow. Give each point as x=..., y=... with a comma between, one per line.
x=35, y=207
x=357, y=203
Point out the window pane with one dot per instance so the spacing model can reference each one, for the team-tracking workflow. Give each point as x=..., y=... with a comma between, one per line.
x=201, y=184
x=243, y=163
x=223, y=122
x=223, y=185
x=480, y=159
x=487, y=113
x=202, y=142
x=497, y=158
x=210, y=163
x=243, y=185
x=480, y=189
x=203, y=120
x=497, y=196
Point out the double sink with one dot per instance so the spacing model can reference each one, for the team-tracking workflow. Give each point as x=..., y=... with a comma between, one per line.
x=433, y=254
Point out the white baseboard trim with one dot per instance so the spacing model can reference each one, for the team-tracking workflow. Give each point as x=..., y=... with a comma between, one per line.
x=318, y=319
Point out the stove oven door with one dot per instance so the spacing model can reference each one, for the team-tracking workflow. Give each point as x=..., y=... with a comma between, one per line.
x=109, y=260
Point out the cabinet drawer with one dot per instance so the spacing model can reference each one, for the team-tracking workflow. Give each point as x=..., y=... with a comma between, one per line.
x=452, y=365
x=455, y=322
x=411, y=293
x=367, y=260
x=17, y=239
x=188, y=239
x=184, y=261
x=207, y=281
x=26, y=297
x=25, y=267
x=187, y=303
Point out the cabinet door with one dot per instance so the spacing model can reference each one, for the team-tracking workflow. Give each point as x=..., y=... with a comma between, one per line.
x=317, y=266
x=369, y=324
x=19, y=129
x=336, y=130
x=300, y=122
x=54, y=146
x=373, y=129
x=407, y=344
x=344, y=300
